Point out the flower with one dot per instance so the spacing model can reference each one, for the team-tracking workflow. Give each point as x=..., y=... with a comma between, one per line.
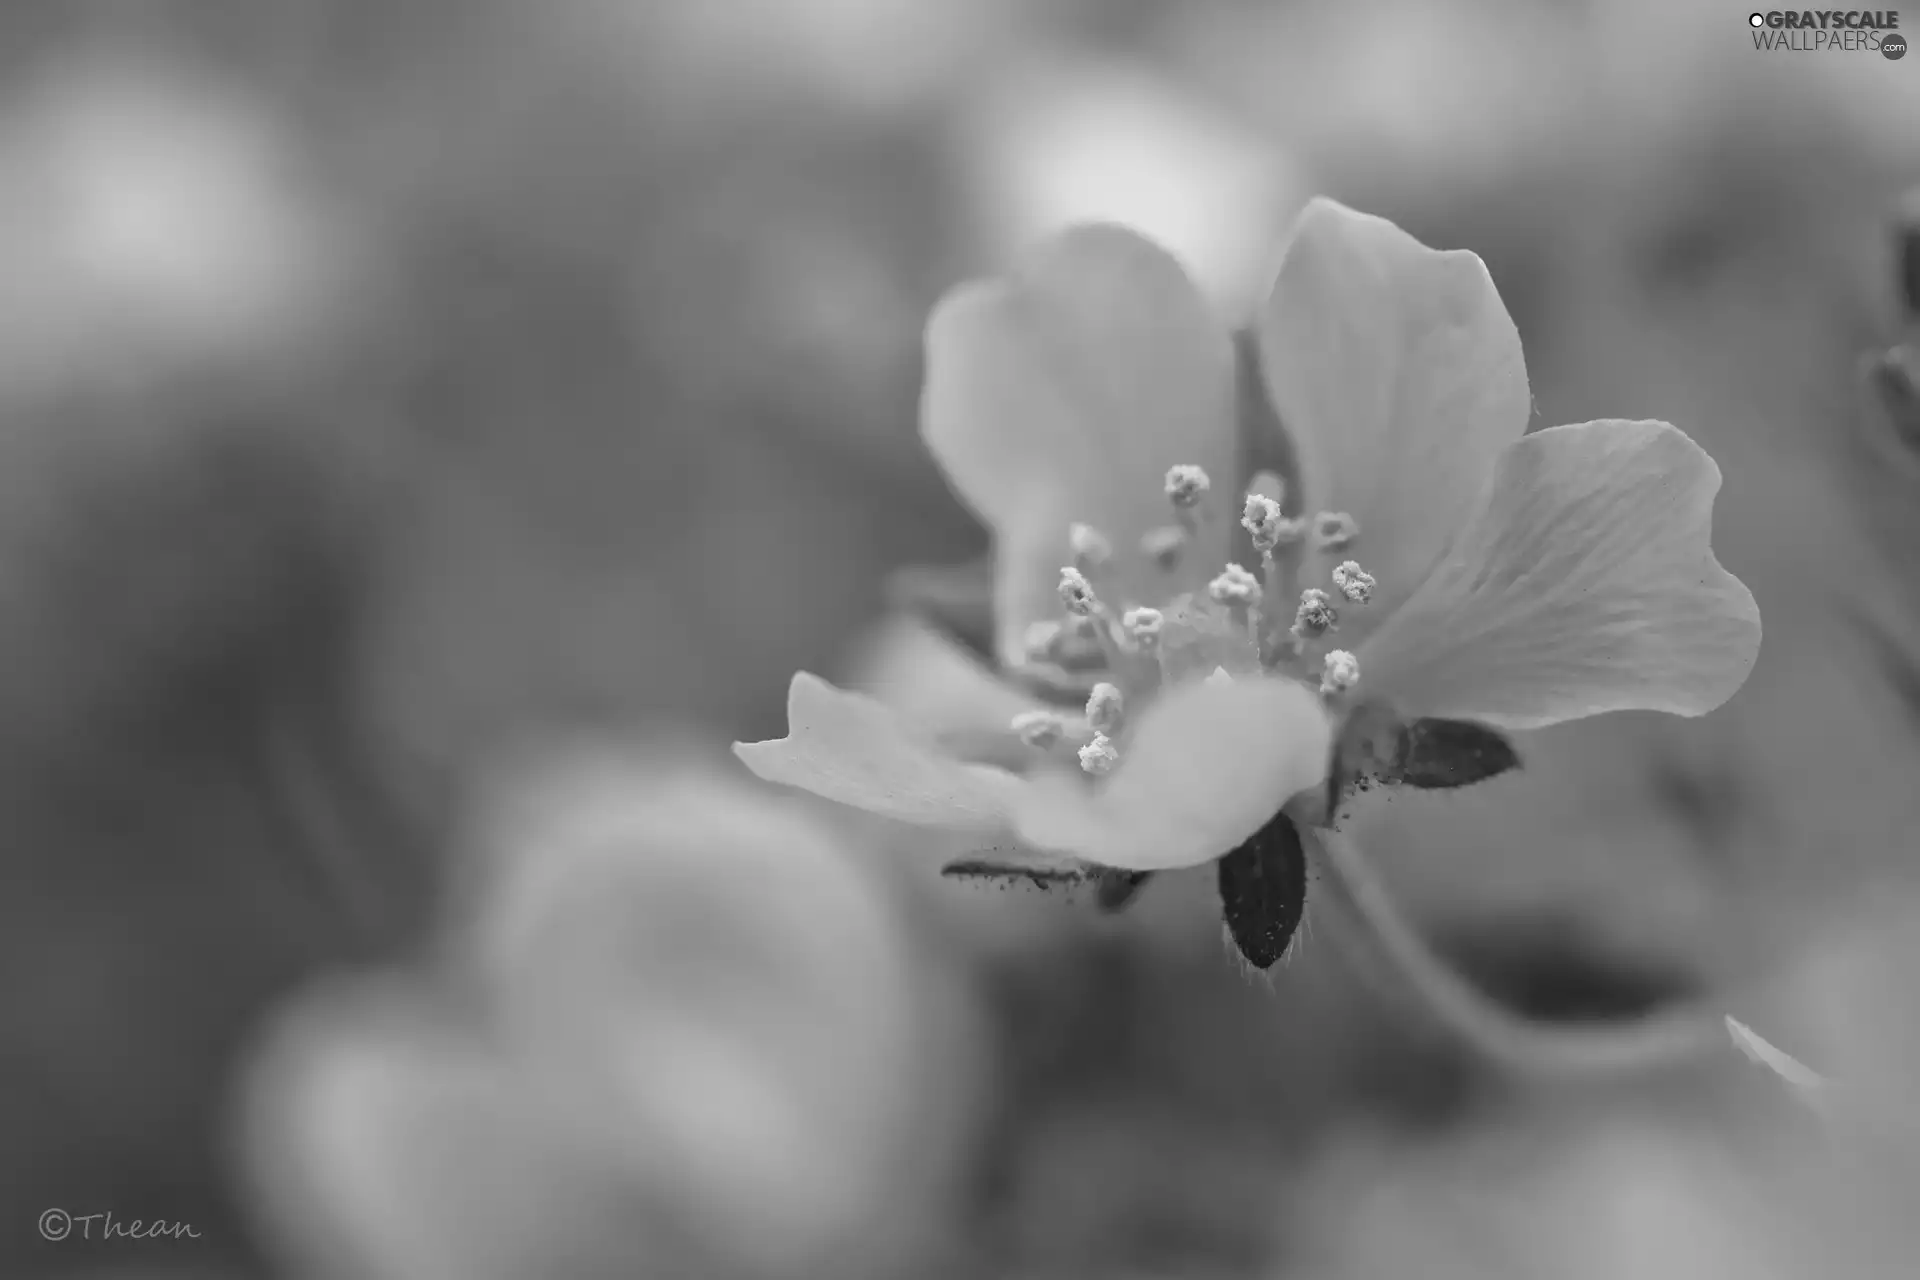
x=628, y=1015
x=1483, y=575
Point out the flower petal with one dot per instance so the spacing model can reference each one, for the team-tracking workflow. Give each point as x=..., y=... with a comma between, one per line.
x=1063, y=395
x=853, y=750
x=1207, y=766
x=1398, y=373
x=1583, y=583
x=962, y=707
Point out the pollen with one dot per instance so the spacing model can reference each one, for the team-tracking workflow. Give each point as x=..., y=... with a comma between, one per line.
x=1164, y=545
x=1100, y=755
x=1039, y=729
x=1334, y=530
x=1262, y=519
x=1143, y=626
x=1090, y=547
x=1186, y=486
x=1235, y=586
x=1339, y=673
x=1316, y=615
x=1076, y=593
x=1104, y=706
x=1355, y=583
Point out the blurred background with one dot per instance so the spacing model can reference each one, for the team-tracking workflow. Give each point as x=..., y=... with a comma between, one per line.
x=429, y=434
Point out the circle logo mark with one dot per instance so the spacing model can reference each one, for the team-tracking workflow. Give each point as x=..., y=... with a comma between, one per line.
x=1756, y=19
x=1895, y=47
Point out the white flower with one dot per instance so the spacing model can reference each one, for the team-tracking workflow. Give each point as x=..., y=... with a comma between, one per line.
x=1513, y=579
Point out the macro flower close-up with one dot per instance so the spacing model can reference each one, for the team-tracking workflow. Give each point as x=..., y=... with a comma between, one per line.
x=1238, y=575
x=910, y=638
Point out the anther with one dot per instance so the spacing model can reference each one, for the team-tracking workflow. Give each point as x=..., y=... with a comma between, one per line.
x=1039, y=729
x=1355, y=583
x=1235, y=586
x=1090, y=547
x=1316, y=615
x=1186, y=486
x=1334, y=530
x=1339, y=673
x=1100, y=755
x=1164, y=545
x=1076, y=593
x=1142, y=627
x=1104, y=706
x=1262, y=518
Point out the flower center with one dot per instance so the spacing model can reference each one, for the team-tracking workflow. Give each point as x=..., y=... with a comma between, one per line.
x=1123, y=651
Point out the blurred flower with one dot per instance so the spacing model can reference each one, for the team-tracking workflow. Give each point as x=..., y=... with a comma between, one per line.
x=680, y=1027
x=1083, y=409
x=874, y=56
x=150, y=214
x=1059, y=140
x=1850, y=1001
x=1433, y=99
x=1597, y=1197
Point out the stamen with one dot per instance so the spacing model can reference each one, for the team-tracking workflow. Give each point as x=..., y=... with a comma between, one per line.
x=1187, y=486
x=1240, y=592
x=1089, y=613
x=1339, y=673
x=1090, y=547
x=1277, y=539
x=1039, y=729
x=1316, y=615
x=1355, y=583
x=1143, y=628
x=1104, y=707
x=1263, y=519
x=1164, y=545
x=1076, y=593
x=1235, y=586
x=1334, y=530
x=1100, y=755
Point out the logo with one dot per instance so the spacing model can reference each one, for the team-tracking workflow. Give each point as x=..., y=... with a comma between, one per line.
x=1829, y=31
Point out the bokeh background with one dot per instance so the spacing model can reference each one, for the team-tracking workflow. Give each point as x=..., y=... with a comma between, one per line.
x=430, y=433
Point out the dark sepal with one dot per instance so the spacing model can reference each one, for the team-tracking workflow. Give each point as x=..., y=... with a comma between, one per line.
x=1038, y=874
x=1367, y=751
x=1263, y=891
x=1437, y=755
x=1118, y=889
